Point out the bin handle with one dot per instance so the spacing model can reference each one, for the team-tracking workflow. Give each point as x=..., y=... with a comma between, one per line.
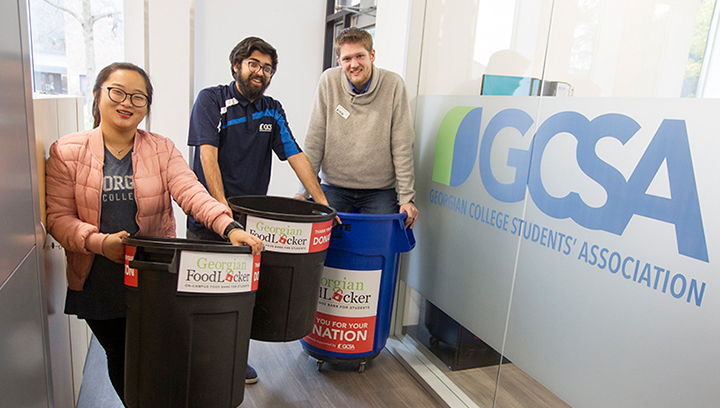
x=171, y=267
x=155, y=266
x=404, y=237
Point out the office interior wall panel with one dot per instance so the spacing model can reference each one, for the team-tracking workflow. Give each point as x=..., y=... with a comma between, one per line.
x=22, y=358
x=58, y=326
x=24, y=350
x=80, y=336
x=46, y=130
x=54, y=117
x=16, y=202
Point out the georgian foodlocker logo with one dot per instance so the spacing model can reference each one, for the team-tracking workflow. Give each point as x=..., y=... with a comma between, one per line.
x=346, y=311
x=212, y=272
x=290, y=237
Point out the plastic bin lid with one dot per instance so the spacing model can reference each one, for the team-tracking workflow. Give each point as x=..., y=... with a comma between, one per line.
x=281, y=208
x=371, y=217
x=186, y=245
x=403, y=238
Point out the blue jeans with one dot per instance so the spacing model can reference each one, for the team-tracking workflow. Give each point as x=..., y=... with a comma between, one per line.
x=363, y=201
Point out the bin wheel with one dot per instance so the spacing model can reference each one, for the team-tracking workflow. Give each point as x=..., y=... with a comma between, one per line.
x=319, y=365
x=434, y=342
x=361, y=367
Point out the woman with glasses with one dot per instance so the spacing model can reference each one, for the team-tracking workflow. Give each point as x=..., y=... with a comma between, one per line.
x=112, y=182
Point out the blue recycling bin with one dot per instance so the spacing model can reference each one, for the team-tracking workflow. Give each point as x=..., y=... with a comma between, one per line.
x=357, y=288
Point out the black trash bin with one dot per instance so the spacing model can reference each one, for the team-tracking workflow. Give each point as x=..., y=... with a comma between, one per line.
x=189, y=311
x=296, y=234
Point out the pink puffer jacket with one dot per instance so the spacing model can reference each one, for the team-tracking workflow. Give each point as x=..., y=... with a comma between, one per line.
x=74, y=173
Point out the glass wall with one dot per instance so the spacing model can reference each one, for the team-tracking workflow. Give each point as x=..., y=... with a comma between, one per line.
x=554, y=265
x=598, y=47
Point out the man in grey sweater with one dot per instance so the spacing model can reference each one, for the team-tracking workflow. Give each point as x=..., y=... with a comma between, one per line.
x=360, y=136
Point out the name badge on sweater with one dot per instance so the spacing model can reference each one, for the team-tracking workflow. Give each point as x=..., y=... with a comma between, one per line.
x=342, y=112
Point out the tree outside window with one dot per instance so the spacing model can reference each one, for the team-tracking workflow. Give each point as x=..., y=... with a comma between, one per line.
x=71, y=40
x=696, y=56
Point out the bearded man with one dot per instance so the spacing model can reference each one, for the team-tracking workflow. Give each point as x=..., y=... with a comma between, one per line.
x=235, y=128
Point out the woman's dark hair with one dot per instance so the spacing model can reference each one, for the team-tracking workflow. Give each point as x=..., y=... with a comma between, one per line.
x=246, y=47
x=105, y=73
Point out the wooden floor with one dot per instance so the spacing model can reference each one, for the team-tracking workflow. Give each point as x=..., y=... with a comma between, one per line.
x=516, y=390
x=289, y=378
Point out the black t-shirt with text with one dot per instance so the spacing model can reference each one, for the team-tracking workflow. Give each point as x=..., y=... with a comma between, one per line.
x=103, y=294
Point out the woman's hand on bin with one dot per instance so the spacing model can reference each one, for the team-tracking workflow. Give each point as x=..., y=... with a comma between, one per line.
x=113, y=247
x=240, y=237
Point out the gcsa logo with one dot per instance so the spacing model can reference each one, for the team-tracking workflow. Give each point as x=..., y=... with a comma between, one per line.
x=456, y=150
x=266, y=127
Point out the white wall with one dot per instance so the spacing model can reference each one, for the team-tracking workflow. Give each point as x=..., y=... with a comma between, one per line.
x=186, y=46
x=134, y=33
x=398, y=39
x=392, y=24
x=295, y=29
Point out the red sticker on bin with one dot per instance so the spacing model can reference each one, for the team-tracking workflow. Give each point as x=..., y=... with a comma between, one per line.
x=131, y=277
x=255, y=272
x=338, y=334
x=320, y=236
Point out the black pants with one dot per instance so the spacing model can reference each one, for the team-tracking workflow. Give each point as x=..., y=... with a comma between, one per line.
x=111, y=335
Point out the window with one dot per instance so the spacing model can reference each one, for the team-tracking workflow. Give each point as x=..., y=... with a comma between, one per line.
x=65, y=56
x=694, y=71
x=342, y=14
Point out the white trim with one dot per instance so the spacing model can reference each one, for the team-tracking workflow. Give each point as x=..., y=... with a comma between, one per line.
x=428, y=374
x=709, y=47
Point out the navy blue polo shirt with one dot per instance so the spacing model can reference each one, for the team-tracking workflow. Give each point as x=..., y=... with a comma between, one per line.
x=245, y=134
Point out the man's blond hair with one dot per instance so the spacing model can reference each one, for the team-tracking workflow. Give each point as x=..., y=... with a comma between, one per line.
x=353, y=35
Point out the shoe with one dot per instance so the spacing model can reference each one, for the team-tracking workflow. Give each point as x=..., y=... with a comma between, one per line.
x=251, y=376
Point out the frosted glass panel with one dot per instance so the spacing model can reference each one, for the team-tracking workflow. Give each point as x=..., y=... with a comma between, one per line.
x=566, y=184
x=624, y=303
x=463, y=272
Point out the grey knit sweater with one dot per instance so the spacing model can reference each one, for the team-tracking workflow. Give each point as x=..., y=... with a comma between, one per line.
x=362, y=141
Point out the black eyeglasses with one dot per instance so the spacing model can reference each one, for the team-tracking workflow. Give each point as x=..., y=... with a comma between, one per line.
x=255, y=66
x=117, y=95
